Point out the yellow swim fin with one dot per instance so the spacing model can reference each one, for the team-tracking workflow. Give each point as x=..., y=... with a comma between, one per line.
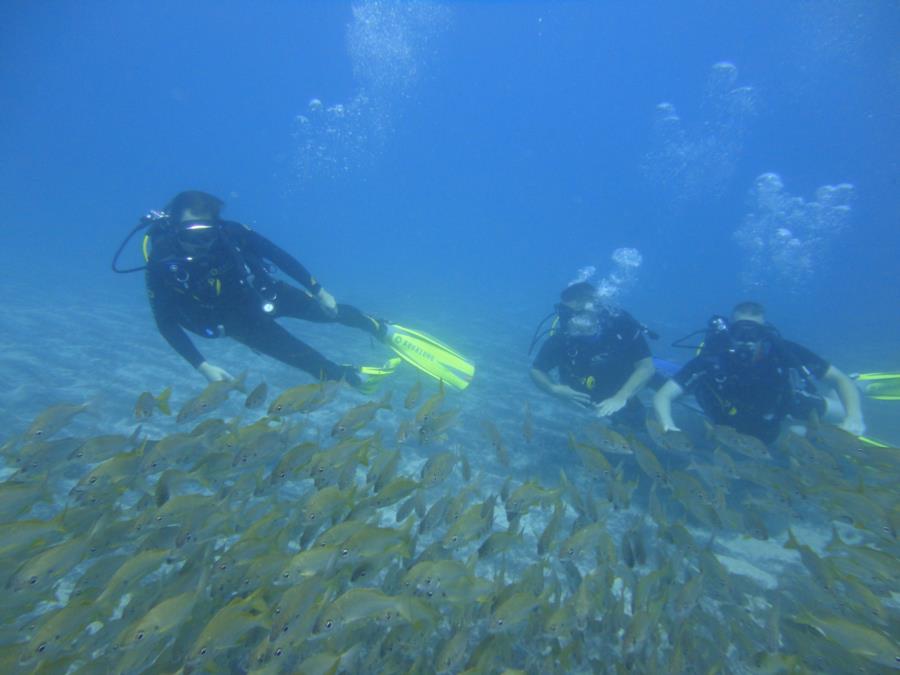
x=372, y=376
x=872, y=441
x=430, y=355
x=879, y=386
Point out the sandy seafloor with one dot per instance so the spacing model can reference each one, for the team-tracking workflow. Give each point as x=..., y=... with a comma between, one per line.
x=63, y=345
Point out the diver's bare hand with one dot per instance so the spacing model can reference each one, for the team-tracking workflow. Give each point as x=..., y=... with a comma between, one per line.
x=611, y=405
x=327, y=302
x=566, y=392
x=854, y=425
x=213, y=373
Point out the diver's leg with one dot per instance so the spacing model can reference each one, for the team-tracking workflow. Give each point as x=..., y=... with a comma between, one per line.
x=297, y=304
x=834, y=409
x=268, y=338
x=349, y=315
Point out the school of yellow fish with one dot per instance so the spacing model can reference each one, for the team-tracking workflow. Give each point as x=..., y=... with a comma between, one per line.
x=276, y=546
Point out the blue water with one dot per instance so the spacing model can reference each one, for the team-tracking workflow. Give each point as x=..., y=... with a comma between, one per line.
x=486, y=152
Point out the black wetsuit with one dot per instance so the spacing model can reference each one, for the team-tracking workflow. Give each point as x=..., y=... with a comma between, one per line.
x=229, y=291
x=754, y=399
x=600, y=364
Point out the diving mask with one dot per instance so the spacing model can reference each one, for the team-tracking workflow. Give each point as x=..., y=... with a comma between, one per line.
x=749, y=341
x=584, y=323
x=197, y=234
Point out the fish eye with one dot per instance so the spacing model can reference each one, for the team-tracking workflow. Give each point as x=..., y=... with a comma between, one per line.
x=33, y=580
x=345, y=552
x=39, y=432
x=42, y=647
x=499, y=622
x=203, y=652
x=279, y=651
x=329, y=624
x=140, y=635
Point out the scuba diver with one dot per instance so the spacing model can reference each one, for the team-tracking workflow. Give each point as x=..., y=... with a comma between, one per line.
x=600, y=355
x=746, y=376
x=215, y=278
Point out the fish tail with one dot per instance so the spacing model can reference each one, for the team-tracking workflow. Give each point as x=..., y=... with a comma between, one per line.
x=836, y=541
x=162, y=401
x=386, y=400
x=241, y=383
x=792, y=541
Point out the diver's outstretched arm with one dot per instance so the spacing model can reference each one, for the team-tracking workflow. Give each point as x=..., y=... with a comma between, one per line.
x=662, y=404
x=848, y=393
x=643, y=371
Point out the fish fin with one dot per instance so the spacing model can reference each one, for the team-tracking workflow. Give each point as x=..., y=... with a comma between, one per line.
x=836, y=541
x=162, y=401
x=241, y=383
x=791, y=540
